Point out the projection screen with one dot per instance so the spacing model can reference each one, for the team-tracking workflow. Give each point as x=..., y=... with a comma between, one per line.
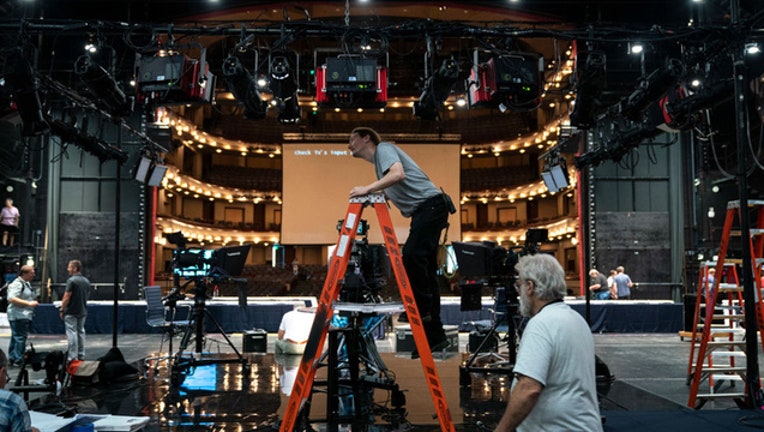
x=318, y=178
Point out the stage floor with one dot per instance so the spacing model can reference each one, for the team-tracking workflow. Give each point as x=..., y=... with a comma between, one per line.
x=649, y=389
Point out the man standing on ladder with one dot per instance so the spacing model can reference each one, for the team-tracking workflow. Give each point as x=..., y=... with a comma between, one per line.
x=409, y=188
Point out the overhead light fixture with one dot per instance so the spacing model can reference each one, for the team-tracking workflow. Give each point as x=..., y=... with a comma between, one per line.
x=436, y=89
x=511, y=82
x=351, y=81
x=103, y=87
x=149, y=169
x=590, y=76
x=636, y=48
x=752, y=48
x=244, y=88
x=24, y=85
x=69, y=133
x=283, y=84
x=555, y=173
x=650, y=89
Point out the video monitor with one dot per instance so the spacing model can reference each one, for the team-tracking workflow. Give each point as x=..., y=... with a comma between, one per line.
x=229, y=261
x=351, y=70
x=191, y=262
x=473, y=258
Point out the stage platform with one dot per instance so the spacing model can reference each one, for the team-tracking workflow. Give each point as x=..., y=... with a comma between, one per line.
x=623, y=316
x=260, y=312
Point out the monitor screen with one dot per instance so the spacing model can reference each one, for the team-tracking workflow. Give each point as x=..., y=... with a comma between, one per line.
x=230, y=260
x=351, y=69
x=191, y=262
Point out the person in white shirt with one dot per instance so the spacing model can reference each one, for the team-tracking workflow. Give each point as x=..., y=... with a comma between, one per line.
x=555, y=385
x=294, y=331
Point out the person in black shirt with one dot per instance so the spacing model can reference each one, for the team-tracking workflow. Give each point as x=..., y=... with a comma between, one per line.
x=74, y=310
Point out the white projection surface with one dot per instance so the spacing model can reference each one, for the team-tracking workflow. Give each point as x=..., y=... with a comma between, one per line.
x=317, y=182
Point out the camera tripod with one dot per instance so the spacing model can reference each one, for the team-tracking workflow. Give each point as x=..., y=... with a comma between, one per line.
x=490, y=361
x=182, y=362
x=355, y=370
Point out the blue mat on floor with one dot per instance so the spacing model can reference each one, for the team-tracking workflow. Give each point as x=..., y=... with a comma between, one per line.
x=683, y=420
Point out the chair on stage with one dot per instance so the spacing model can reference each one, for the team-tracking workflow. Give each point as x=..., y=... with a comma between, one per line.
x=160, y=313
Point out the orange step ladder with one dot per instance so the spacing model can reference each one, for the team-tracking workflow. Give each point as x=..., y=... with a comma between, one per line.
x=711, y=355
x=727, y=283
x=303, y=384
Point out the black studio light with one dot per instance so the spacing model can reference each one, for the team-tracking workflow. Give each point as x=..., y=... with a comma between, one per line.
x=590, y=76
x=244, y=88
x=102, y=85
x=25, y=87
x=436, y=89
x=97, y=147
x=283, y=84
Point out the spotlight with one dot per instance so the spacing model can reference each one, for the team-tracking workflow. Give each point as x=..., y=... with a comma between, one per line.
x=244, y=88
x=284, y=87
x=23, y=82
x=437, y=87
x=103, y=87
x=590, y=76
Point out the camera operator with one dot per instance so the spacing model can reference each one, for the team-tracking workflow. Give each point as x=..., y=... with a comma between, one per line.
x=409, y=188
x=555, y=384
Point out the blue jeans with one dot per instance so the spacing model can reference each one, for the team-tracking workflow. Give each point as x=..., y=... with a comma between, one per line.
x=605, y=295
x=19, y=332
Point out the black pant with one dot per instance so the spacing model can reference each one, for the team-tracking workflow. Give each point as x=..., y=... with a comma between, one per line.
x=420, y=258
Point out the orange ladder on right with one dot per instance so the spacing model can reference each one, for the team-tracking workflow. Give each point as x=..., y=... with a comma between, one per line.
x=724, y=360
x=726, y=283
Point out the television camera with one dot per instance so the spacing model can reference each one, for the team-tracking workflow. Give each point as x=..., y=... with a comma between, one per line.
x=484, y=264
x=203, y=269
x=365, y=276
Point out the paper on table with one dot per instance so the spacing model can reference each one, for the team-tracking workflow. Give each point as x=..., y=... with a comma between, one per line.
x=49, y=422
x=120, y=423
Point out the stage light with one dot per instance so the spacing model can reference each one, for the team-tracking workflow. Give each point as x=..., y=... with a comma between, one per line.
x=93, y=145
x=437, y=87
x=244, y=88
x=24, y=84
x=636, y=48
x=752, y=48
x=555, y=173
x=283, y=84
x=103, y=87
x=590, y=75
x=650, y=89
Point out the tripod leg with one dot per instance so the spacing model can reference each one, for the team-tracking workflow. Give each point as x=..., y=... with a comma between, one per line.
x=220, y=328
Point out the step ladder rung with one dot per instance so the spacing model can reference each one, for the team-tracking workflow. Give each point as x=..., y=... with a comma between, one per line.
x=720, y=369
x=728, y=377
x=723, y=344
x=720, y=395
x=739, y=261
x=735, y=204
x=727, y=316
x=752, y=231
x=727, y=354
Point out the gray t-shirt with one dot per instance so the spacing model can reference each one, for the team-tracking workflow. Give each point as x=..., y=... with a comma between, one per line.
x=23, y=290
x=415, y=188
x=557, y=350
x=622, y=281
x=79, y=286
